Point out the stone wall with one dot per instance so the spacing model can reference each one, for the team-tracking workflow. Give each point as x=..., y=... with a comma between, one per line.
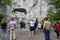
x=35, y=9
x=2, y=9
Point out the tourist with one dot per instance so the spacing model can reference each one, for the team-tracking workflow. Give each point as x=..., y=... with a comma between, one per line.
x=31, y=27
x=57, y=29
x=39, y=26
x=42, y=22
x=22, y=24
x=47, y=27
x=35, y=25
x=4, y=29
x=12, y=27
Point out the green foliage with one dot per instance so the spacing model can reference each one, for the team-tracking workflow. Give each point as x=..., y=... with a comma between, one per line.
x=1, y=17
x=8, y=2
x=50, y=15
x=56, y=3
x=54, y=16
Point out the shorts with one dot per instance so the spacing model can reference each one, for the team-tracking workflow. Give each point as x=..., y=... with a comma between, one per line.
x=31, y=28
x=22, y=27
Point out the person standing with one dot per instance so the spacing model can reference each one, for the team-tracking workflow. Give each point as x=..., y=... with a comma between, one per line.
x=47, y=27
x=22, y=24
x=57, y=29
x=42, y=22
x=39, y=26
x=35, y=25
x=31, y=27
x=4, y=29
x=12, y=27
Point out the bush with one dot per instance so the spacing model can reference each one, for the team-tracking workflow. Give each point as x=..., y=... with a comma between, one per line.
x=56, y=3
x=56, y=16
x=50, y=15
x=1, y=17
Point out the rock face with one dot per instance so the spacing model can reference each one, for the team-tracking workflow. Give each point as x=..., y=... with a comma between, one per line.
x=35, y=9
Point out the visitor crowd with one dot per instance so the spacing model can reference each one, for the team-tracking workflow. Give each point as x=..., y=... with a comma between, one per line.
x=34, y=25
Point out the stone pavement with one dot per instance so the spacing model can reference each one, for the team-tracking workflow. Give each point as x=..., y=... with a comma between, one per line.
x=24, y=35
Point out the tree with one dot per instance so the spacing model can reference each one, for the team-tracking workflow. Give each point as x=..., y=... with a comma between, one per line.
x=56, y=16
x=8, y=2
x=50, y=15
x=1, y=17
x=4, y=3
x=56, y=3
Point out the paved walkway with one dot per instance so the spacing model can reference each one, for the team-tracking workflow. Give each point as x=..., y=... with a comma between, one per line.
x=24, y=35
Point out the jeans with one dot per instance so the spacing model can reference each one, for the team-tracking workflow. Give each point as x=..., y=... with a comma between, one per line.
x=47, y=34
x=4, y=34
x=34, y=31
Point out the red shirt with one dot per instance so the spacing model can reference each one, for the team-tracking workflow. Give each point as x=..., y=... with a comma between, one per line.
x=58, y=26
